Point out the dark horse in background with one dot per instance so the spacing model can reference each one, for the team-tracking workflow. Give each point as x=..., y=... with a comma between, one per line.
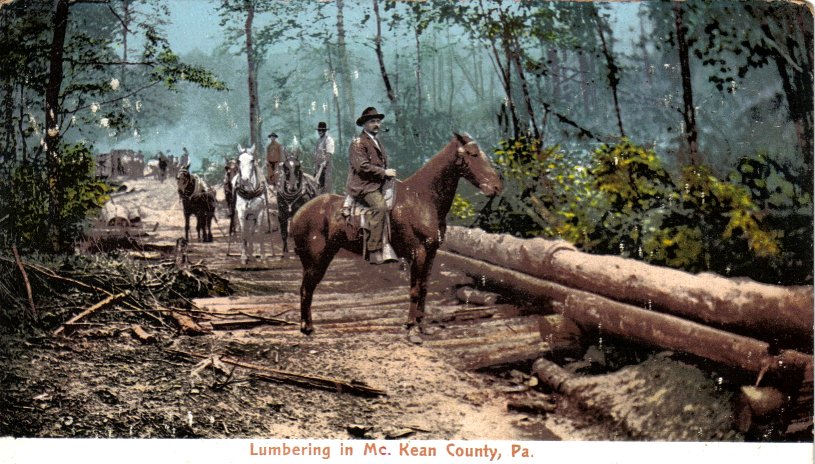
x=198, y=199
x=418, y=222
x=294, y=189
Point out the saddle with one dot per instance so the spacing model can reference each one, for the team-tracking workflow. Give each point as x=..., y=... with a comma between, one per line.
x=356, y=215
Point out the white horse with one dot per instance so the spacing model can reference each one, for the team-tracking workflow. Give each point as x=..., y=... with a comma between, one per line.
x=250, y=203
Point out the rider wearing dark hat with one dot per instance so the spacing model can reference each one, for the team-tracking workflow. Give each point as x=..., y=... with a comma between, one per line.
x=323, y=153
x=274, y=153
x=367, y=173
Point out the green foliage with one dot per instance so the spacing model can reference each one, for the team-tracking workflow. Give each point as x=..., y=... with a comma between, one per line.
x=462, y=208
x=24, y=199
x=623, y=201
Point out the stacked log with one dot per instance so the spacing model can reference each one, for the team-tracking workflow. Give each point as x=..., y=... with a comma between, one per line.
x=593, y=313
x=784, y=314
x=759, y=329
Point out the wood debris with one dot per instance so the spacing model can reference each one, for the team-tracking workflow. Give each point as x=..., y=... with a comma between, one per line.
x=313, y=381
x=107, y=301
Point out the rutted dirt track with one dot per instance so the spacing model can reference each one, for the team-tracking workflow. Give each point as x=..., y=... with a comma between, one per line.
x=102, y=382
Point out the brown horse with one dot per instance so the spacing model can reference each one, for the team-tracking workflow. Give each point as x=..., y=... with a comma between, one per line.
x=198, y=199
x=418, y=222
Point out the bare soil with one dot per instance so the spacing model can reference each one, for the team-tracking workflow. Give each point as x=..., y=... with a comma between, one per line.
x=102, y=382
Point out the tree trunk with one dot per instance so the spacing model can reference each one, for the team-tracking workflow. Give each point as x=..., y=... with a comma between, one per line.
x=783, y=313
x=9, y=137
x=613, y=73
x=507, y=78
x=344, y=67
x=797, y=85
x=335, y=93
x=688, y=110
x=418, y=73
x=52, y=114
x=554, y=72
x=381, y=58
x=254, y=137
x=125, y=31
x=451, y=91
x=516, y=58
x=584, y=81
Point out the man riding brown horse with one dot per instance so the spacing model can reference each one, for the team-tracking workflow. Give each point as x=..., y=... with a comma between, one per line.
x=367, y=174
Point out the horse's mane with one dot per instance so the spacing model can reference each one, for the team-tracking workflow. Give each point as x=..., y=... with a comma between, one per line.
x=435, y=160
x=199, y=186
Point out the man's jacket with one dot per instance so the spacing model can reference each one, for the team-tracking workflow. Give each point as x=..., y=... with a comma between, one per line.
x=367, y=166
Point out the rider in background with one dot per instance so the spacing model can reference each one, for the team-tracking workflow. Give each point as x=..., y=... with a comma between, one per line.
x=323, y=154
x=274, y=153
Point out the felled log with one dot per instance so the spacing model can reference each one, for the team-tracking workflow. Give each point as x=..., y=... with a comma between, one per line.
x=557, y=378
x=487, y=344
x=533, y=405
x=472, y=296
x=115, y=215
x=562, y=335
x=592, y=312
x=107, y=301
x=756, y=403
x=740, y=305
x=673, y=333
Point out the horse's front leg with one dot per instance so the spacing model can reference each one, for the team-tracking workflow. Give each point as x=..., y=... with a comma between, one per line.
x=244, y=256
x=186, y=226
x=420, y=266
x=283, y=218
x=315, y=259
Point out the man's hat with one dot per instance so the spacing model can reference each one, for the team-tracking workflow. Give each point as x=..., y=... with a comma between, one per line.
x=369, y=113
x=272, y=135
x=322, y=126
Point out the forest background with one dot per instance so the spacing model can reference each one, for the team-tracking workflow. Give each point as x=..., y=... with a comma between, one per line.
x=679, y=133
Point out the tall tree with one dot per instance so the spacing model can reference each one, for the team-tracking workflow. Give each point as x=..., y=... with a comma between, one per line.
x=380, y=57
x=52, y=112
x=344, y=65
x=688, y=110
x=613, y=70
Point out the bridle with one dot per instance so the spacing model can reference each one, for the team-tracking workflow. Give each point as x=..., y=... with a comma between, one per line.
x=290, y=198
x=244, y=188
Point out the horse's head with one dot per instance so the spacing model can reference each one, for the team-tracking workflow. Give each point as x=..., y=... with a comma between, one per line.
x=292, y=178
x=475, y=166
x=184, y=180
x=246, y=164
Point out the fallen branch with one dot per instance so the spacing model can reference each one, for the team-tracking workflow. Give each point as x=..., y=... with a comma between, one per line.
x=53, y=275
x=142, y=335
x=274, y=375
x=186, y=325
x=533, y=405
x=25, y=280
x=109, y=300
x=268, y=320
